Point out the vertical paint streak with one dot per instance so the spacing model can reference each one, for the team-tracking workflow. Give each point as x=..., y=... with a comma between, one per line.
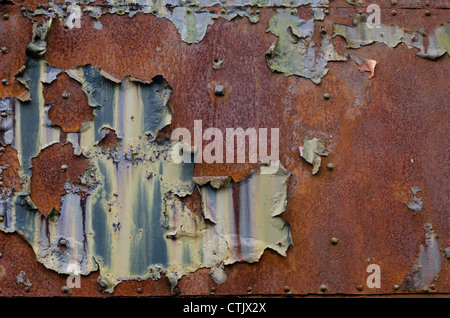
x=236, y=235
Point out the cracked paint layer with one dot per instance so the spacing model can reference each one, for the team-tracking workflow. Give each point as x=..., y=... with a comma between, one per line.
x=436, y=44
x=294, y=52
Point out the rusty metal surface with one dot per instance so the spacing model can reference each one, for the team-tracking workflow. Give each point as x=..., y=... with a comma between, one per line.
x=385, y=135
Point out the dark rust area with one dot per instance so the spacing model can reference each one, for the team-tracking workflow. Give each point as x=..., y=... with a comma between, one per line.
x=10, y=170
x=110, y=139
x=69, y=106
x=15, y=34
x=52, y=168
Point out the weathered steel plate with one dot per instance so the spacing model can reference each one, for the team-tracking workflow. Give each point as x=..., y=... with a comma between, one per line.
x=385, y=136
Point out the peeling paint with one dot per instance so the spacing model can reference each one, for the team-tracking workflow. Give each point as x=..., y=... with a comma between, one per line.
x=416, y=204
x=437, y=44
x=21, y=279
x=246, y=219
x=147, y=103
x=428, y=264
x=120, y=212
x=311, y=152
x=294, y=53
x=368, y=66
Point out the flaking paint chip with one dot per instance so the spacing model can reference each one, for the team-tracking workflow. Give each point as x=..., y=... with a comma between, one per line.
x=312, y=150
x=368, y=66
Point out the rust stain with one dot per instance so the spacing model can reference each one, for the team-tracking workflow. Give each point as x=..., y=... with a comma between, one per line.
x=11, y=62
x=69, y=106
x=10, y=174
x=110, y=139
x=54, y=166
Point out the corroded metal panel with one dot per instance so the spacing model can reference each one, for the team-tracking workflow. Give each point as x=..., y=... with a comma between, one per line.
x=89, y=182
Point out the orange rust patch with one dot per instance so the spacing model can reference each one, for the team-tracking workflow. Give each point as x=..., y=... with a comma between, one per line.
x=110, y=139
x=12, y=61
x=48, y=177
x=193, y=202
x=69, y=106
x=10, y=175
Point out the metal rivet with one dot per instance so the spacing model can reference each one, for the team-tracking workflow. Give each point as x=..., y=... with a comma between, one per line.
x=4, y=50
x=394, y=13
x=139, y=290
x=4, y=114
x=258, y=12
x=323, y=30
x=23, y=9
x=293, y=12
x=27, y=289
x=359, y=287
x=1, y=255
x=64, y=168
x=286, y=289
x=223, y=11
x=323, y=288
x=65, y=95
x=2, y=149
x=427, y=13
x=154, y=11
x=219, y=90
x=326, y=12
x=2, y=218
x=292, y=3
x=396, y=287
x=359, y=11
x=326, y=96
x=65, y=26
x=249, y=289
x=432, y=287
x=65, y=289
x=213, y=290
x=427, y=3
x=6, y=17
x=1, y=184
x=4, y=82
x=360, y=3
x=63, y=242
x=188, y=11
x=394, y=2
x=330, y=167
x=334, y=240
